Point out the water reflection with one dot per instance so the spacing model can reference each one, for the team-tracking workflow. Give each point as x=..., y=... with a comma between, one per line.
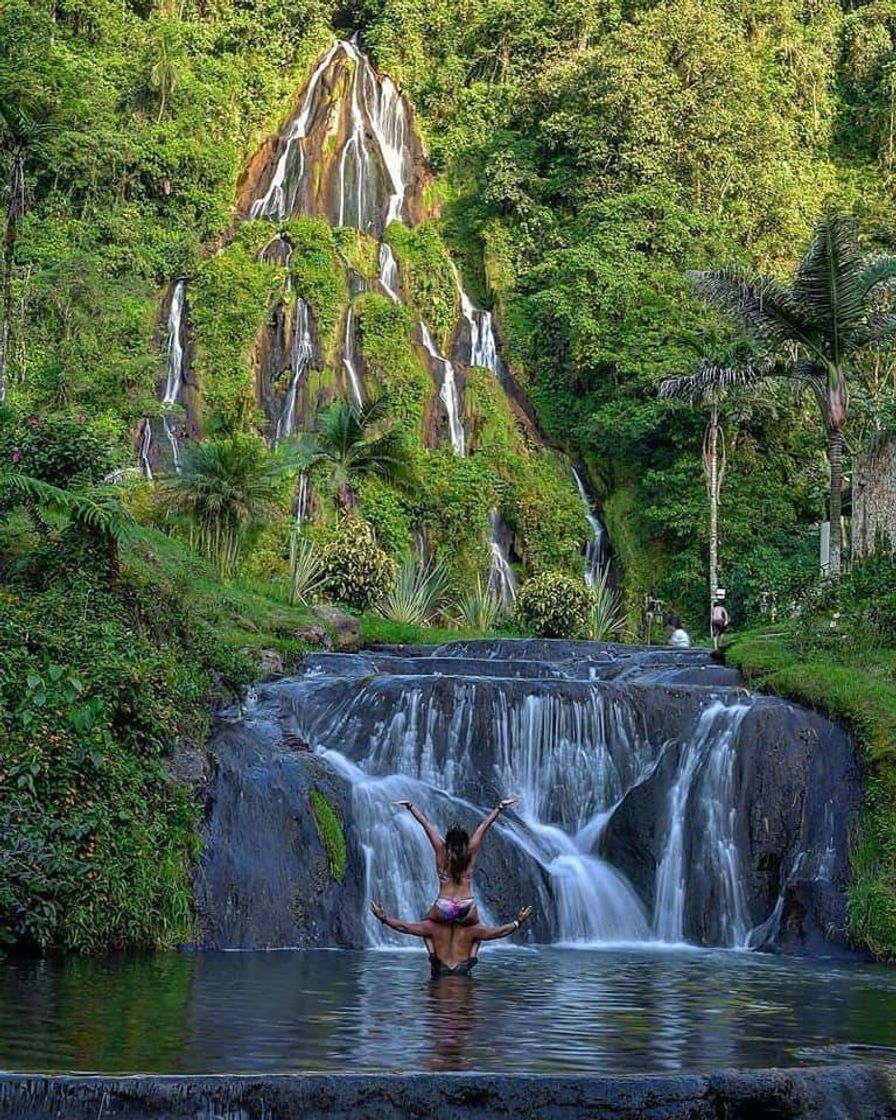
x=609, y=1010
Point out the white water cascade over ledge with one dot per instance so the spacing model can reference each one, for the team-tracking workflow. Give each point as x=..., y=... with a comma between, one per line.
x=650, y=804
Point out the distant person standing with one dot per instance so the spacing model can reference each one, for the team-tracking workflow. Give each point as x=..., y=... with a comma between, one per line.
x=718, y=618
x=679, y=638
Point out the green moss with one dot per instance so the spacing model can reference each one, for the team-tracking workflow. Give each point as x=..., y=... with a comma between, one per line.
x=359, y=249
x=230, y=299
x=376, y=631
x=385, y=343
x=640, y=559
x=330, y=832
x=427, y=277
x=318, y=275
x=856, y=694
x=384, y=508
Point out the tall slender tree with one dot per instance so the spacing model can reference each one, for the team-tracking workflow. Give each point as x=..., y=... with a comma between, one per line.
x=811, y=330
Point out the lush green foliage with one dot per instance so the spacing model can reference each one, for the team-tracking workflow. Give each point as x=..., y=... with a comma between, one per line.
x=417, y=594
x=356, y=571
x=552, y=605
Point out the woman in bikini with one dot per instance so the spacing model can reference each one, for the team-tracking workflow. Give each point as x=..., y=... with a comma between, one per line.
x=456, y=854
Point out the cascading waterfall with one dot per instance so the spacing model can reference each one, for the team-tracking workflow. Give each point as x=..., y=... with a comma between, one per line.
x=447, y=393
x=703, y=791
x=483, y=346
x=349, y=361
x=302, y=354
x=649, y=811
x=501, y=576
x=303, y=499
x=595, y=552
x=389, y=271
x=289, y=173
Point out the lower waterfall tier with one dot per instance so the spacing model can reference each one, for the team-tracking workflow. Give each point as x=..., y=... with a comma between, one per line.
x=652, y=807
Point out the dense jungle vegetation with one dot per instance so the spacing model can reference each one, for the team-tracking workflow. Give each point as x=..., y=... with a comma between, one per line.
x=587, y=155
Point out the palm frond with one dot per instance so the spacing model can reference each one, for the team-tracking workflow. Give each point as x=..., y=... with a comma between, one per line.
x=829, y=283
x=306, y=570
x=766, y=309
x=878, y=271
x=606, y=619
x=97, y=510
x=710, y=379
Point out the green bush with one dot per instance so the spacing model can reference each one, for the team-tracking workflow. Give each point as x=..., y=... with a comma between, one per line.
x=356, y=571
x=553, y=605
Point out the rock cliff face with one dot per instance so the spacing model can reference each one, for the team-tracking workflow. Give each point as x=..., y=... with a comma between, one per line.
x=653, y=807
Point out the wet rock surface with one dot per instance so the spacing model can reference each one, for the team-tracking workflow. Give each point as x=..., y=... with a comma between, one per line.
x=652, y=807
x=835, y=1093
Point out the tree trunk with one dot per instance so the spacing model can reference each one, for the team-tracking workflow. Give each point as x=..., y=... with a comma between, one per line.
x=835, y=501
x=713, y=472
x=9, y=256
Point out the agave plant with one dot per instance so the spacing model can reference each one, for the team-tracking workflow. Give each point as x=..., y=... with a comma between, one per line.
x=306, y=569
x=606, y=620
x=478, y=608
x=417, y=594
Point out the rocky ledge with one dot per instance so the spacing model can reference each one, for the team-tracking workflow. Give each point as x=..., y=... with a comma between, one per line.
x=822, y=1093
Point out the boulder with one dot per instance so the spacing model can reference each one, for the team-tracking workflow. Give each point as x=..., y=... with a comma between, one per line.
x=344, y=628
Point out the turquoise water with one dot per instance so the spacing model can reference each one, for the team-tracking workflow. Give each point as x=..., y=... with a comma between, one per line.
x=620, y=1010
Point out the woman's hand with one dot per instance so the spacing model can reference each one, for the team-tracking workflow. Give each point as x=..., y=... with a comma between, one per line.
x=404, y=804
x=379, y=911
x=524, y=915
x=507, y=803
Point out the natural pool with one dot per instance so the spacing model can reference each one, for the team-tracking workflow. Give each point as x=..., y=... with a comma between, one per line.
x=609, y=1010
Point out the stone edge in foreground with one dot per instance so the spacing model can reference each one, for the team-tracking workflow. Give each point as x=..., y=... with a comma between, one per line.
x=866, y=1091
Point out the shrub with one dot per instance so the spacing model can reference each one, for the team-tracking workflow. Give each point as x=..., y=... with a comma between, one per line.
x=417, y=593
x=330, y=832
x=478, y=608
x=553, y=605
x=356, y=571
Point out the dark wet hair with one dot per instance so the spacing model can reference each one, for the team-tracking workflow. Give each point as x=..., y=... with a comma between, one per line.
x=457, y=851
x=672, y=620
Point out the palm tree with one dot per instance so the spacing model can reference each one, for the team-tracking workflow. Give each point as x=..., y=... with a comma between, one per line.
x=352, y=443
x=811, y=330
x=227, y=488
x=166, y=59
x=21, y=139
x=96, y=511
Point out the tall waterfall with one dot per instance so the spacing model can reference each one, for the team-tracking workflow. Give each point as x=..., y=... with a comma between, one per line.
x=501, y=577
x=301, y=356
x=447, y=392
x=349, y=360
x=303, y=499
x=175, y=366
x=145, y=448
x=595, y=551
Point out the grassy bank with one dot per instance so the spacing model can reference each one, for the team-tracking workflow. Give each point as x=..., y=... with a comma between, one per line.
x=853, y=682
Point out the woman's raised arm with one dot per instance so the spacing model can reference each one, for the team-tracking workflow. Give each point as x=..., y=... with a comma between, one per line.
x=438, y=843
x=486, y=823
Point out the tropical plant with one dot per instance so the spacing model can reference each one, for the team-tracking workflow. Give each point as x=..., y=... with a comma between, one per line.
x=306, y=569
x=165, y=62
x=553, y=605
x=478, y=608
x=811, y=330
x=226, y=490
x=95, y=512
x=349, y=443
x=417, y=593
x=356, y=571
x=606, y=619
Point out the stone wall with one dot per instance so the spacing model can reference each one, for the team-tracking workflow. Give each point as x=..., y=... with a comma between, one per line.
x=874, y=498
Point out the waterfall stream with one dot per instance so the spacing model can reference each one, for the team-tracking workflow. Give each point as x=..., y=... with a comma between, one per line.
x=595, y=551
x=501, y=576
x=447, y=392
x=349, y=360
x=483, y=349
x=389, y=271
x=301, y=356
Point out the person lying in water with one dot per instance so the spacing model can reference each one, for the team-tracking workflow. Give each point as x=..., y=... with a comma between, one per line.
x=453, y=949
x=456, y=854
